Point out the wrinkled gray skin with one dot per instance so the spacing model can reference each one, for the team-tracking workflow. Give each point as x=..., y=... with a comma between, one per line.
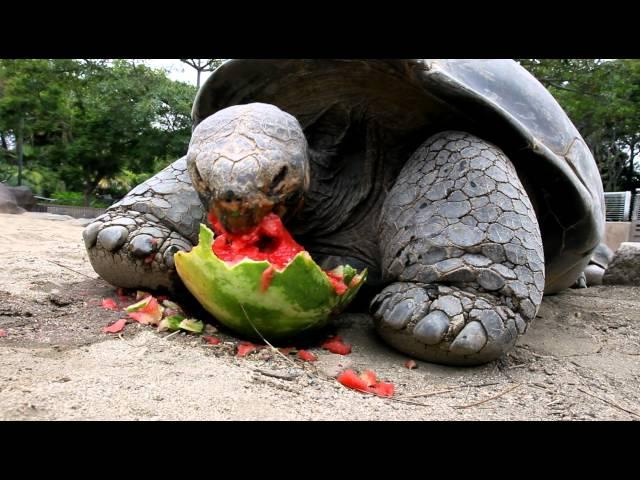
x=461, y=186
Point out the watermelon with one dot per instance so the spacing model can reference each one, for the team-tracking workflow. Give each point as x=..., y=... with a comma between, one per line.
x=263, y=279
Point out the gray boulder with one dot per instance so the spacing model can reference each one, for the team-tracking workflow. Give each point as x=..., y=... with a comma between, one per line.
x=624, y=269
x=8, y=203
x=24, y=197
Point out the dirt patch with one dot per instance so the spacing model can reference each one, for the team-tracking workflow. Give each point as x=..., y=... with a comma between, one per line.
x=579, y=360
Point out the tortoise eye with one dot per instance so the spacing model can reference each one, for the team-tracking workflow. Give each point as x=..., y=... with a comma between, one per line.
x=277, y=180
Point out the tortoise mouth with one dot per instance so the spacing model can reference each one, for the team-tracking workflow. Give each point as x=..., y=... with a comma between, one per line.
x=238, y=216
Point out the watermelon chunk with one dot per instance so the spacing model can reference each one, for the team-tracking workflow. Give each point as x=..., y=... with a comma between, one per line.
x=245, y=348
x=370, y=377
x=307, y=356
x=335, y=345
x=146, y=311
x=350, y=379
x=109, y=304
x=116, y=327
x=211, y=340
x=366, y=382
x=383, y=389
x=262, y=280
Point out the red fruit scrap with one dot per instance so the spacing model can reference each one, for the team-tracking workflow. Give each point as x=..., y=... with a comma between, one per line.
x=149, y=314
x=211, y=340
x=350, y=379
x=269, y=240
x=116, y=327
x=109, y=304
x=383, y=389
x=410, y=364
x=335, y=345
x=245, y=348
x=366, y=382
x=307, y=356
x=370, y=377
x=337, y=282
x=3, y=333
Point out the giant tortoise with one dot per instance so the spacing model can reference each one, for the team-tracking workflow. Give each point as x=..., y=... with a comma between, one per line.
x=461, y=185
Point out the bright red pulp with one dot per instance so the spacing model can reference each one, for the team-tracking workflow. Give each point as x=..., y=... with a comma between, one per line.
x=270, y=241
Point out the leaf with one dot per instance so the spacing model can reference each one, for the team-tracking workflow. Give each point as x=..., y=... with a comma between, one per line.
x=116, y=327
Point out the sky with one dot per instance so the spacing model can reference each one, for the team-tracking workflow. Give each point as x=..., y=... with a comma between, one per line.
x=177, y=70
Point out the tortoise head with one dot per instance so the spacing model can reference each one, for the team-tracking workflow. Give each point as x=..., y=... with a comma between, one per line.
x=248, y=160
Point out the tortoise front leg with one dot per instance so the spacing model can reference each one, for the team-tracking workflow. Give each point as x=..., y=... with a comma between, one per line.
x=461, y=244
x=133, y=243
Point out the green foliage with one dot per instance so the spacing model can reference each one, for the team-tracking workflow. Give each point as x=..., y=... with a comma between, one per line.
x=603, y=100
x=87, y=122
x=77, y=199
x=98, y=126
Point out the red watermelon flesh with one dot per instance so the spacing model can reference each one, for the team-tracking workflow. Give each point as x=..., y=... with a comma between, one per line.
x=366, y=382
x=269, y=241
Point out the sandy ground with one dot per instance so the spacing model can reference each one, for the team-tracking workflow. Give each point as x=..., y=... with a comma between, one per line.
x=580, y=359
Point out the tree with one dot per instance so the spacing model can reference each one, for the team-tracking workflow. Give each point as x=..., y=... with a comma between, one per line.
x=602, y=97
x=202, y=65
x=88, y=120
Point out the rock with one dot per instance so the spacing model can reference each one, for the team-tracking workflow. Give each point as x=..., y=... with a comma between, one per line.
x=624, y=269
x=8, y=203
x=24, y=197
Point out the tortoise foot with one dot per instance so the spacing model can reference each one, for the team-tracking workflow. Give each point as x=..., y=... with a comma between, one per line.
x=447, y=325
x=134, y=250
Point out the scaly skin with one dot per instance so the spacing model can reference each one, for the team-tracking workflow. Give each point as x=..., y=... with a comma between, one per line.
x=461, y=245
x=133, y=243
x=460, y=248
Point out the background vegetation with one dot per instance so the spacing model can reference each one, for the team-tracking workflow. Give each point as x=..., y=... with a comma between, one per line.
x=87, y=131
